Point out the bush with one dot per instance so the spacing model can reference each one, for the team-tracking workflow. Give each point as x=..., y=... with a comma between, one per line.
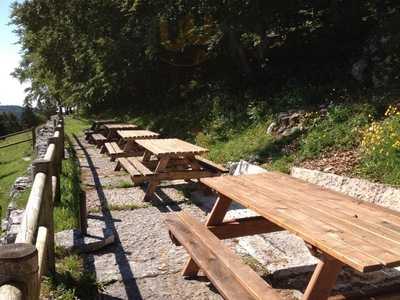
x=380, y=148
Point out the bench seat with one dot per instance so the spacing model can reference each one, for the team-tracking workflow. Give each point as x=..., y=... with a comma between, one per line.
x=232, y=278
x=113, y=150
x=137, y=170
x=98, y=139
x=210, y=164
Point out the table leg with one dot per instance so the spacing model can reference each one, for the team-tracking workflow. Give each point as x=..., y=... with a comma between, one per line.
x=323, y=279
x=152, y=186
x=146, y=156
x=128, y=146
x=216, y=217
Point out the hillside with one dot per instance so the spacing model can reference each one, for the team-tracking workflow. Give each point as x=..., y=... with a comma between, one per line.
x=15, y=109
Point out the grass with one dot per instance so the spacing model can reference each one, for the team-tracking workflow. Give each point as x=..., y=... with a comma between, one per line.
x=71, y=281
x=247, y=144
x=66, y=213
x=12, y=165
x=75, y=126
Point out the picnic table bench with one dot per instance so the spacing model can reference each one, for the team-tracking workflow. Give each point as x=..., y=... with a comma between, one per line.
x=112, y=128
x=167, y=159
x=98, y=139
x=96, y=127
x=126, y=145
x=340, y=230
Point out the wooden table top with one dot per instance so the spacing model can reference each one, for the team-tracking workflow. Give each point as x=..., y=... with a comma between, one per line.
x=119, y=126
x=359, y=234
x=105, y=121
x=136, y=134
x=170, y=147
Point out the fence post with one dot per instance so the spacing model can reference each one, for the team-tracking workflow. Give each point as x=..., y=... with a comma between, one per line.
x=33, y=138
x=46, y=212
x=19, y=268
x=83, y=223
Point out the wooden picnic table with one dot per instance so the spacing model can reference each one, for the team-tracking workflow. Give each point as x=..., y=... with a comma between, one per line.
x=167, y=159
x=112, y=128
x=341, y=230
x=96, y=124
x=126, y=145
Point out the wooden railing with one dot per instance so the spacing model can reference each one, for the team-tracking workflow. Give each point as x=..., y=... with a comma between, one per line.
x=33, y=138
x=23, y=263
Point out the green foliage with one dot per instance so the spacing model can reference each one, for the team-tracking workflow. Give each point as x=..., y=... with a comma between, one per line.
x=381, y=149
x=14, y=161
x=340, y=129
x=247, y=144
x=66, y=213
x=71, y=281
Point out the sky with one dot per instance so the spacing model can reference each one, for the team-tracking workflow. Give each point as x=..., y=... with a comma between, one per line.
x=11, y=91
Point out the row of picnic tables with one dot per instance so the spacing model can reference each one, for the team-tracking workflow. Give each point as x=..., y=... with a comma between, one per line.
x=340, y=230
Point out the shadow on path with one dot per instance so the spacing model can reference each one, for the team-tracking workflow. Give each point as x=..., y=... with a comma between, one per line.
x=131, y=287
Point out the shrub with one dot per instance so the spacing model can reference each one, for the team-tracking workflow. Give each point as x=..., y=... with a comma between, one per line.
x=380, y=148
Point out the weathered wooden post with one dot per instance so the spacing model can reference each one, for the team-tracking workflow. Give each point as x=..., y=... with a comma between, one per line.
x=46, y=212
x=33, y=138
x=83, y=223
x=19, y=272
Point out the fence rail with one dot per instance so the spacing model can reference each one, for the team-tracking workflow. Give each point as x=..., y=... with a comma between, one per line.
x=33, y=138
x=23, y=263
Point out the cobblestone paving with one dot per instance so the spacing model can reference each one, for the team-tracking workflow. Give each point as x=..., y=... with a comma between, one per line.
x=143, y=263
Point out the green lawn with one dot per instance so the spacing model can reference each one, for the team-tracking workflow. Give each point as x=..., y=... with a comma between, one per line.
x=66, y=213
x=14, y=161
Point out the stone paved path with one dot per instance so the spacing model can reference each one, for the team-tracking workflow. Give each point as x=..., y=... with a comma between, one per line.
x=144, y=264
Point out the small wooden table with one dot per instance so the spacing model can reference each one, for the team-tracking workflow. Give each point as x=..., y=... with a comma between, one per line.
x=111, y=129
x=167, y=159
x=341, y=230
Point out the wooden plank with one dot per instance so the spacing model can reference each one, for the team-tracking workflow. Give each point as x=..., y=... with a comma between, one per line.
x=243, y=274
x=137, y=134
x=128, y=167
x=120, y=126
x=139, y=166
x=216, y=217
x=170, y=147
x=243, y=227
x=373, y=217
x=339, y=221
x=175, y=175
x=354, y=237
x=315, y=232
x=212, y=164
x=117, y=149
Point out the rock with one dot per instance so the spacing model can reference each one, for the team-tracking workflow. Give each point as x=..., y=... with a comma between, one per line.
x=291, y=131
x=271, y=127
x=244, y=167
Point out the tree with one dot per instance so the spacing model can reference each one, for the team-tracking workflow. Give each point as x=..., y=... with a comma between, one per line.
x=28, y=117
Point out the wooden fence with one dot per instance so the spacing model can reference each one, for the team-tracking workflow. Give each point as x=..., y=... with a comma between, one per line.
x=33, y=138
x=23, y=263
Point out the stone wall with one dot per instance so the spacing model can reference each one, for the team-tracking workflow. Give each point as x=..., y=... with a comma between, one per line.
x=12, y=220
x=365, y=190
